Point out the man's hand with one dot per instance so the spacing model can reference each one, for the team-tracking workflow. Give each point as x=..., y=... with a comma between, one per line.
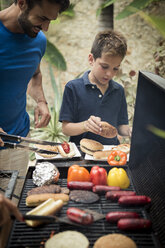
x=1, y=141
x=7, y=207
x=41, y=115
x=93, y=124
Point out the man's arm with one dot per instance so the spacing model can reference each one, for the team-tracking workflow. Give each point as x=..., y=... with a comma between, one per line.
x=7, y=207
x=35, y=90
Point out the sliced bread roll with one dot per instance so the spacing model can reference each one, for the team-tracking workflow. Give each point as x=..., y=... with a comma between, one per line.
x=108, y=131
x=68, y=239
x=37, y=199
x=101, y=155
x=90, y=146
x=122, y=147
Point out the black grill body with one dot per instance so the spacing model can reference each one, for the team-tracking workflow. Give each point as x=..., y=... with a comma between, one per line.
x=147, y=156
x=24, y=236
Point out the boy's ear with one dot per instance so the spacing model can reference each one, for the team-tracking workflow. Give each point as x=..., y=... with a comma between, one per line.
x=90, y=58
x=22, y=4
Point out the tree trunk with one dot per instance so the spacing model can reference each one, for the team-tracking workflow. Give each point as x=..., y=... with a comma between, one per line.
x=5, y=3
x=106, y=17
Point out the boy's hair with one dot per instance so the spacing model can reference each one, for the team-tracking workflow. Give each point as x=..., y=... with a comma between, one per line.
x=109, y=42
x=63, y=3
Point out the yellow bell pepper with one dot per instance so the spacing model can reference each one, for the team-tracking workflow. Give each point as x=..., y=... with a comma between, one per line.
x=118, y=177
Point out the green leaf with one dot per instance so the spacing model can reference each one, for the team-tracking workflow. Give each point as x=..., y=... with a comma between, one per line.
x=155, y=21
x=70, y=11
x=54, y=56
x=157, y=131
x=104, y=5
x=133, y=7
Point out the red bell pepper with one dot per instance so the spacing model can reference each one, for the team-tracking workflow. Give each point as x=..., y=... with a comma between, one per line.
x=98, y=175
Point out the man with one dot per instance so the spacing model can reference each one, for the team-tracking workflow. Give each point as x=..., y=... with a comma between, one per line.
x=22, y=45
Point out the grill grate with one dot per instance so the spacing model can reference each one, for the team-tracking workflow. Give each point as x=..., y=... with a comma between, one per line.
x=24, y=236
x=7, y=182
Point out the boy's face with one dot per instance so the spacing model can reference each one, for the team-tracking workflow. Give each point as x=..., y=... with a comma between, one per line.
x=104, y=68
x=38, y=18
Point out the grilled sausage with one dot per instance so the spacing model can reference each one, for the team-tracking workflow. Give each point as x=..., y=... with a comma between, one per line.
x=79, y=216
x=133, y=224
x=80, y=185
x=134, y=200
x=113, y=217
x=100, y=189
x=114, y=195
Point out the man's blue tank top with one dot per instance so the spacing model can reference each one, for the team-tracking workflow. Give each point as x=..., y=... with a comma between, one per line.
x=20, y=56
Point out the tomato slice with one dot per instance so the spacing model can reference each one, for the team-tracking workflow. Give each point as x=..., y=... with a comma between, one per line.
x=65, y=147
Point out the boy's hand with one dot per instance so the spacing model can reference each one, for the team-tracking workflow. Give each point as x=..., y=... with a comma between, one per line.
x=93, y=124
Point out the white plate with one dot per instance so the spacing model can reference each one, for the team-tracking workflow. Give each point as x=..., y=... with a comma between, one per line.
x=106, y=147
x=58, y=156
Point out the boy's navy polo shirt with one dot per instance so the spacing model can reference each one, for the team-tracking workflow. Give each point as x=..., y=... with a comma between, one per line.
x=81, y=99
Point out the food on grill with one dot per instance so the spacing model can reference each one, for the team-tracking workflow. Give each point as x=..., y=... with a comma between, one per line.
x=68, y=239
x=131, y=224
x=114, y=195
x=37, y=199
x=118, y=177
x=90, y=146
x=122, y=147
x=101, y=154
x=49, y=207
x=78, y=173
x=45, y=173
x=113, y=217
x=79, y=216
x=101, y=189
x=114, y=241
x=80, y=185
x=65, y=151
x=83, y=196
x=65, y=190
x=52, y=188
x=48, y=148
x=98, y=175
x=108, y=131
x=134, y=200
x=116, y=158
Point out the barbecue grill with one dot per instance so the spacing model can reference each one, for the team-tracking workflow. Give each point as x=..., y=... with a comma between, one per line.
x=145, y=171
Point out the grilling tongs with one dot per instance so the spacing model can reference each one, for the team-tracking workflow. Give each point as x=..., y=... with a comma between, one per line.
x=28, y=140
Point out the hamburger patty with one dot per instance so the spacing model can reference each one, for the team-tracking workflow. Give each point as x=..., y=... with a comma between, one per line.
x=83, y=196
x=45, y=189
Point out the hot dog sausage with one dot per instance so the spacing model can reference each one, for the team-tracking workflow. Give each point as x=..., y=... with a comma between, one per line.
x=113, y=217
x=80, y=185
x=114, y=195
x=103, y=188
x=133, y=224
x=65, y=147
x=79, y=216
x=134, y=200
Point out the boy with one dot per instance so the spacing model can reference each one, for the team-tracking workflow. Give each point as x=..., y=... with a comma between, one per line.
x=95, y=97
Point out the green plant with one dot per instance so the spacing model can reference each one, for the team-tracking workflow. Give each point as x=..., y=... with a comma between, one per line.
x=53, y=132
x=136, y=7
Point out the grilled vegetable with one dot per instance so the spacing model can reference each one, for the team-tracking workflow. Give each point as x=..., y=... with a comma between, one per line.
x=79, y=216
x=134, y=200
x=98, y=175
x=80, y=185
x=113, y=217
x=118, y=177
x=104, y=188
x=133, y=224
x=114, y=195
x=117, y=158
x=78, y=173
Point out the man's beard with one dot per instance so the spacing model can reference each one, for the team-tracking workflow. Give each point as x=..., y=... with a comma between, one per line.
x=26, y=25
